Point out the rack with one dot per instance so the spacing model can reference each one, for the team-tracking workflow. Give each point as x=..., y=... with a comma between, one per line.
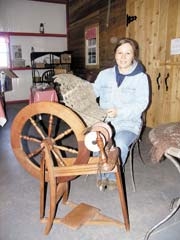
x=51, y=62
x=21, y=38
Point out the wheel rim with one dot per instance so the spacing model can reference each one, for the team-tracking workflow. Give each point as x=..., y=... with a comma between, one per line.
x=55, y=122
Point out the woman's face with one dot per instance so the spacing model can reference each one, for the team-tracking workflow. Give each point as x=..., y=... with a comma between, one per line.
x=124, y=57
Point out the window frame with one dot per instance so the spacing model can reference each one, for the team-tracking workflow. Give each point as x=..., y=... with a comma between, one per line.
x=91, y=37
x=6, y=51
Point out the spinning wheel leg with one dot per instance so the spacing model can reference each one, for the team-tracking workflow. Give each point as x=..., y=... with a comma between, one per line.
x=42, y=188
x=122, y=199
x=57, y=190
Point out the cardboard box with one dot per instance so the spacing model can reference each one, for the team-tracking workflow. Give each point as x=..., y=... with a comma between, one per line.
x=39, y=65
x=65, y=58
x=18, y=63
x=59, y=71
x=57, y=61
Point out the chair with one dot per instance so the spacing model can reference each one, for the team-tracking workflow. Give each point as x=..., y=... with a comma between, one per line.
x=135, y=144
x=47, y=76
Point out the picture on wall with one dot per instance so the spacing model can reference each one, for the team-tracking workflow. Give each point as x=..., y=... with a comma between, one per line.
x=16, y=52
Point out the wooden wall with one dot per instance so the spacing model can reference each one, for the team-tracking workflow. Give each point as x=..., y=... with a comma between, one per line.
x=158, y=22
x=83, y=13
x=156, y=25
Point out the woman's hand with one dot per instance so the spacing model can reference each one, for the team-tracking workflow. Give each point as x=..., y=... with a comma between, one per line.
x=111, y=113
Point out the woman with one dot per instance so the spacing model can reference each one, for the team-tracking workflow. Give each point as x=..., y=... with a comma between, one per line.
x=123, y=92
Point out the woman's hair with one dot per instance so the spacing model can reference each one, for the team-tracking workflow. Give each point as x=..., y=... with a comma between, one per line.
x=133, y=44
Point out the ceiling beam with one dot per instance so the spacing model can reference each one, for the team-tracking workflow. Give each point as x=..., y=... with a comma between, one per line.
x=52, y=1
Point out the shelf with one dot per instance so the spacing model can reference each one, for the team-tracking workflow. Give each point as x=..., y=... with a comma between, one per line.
x=35, y=55
x=54, y=65
x=21, y=68
x=54, y=59
x=30, y=34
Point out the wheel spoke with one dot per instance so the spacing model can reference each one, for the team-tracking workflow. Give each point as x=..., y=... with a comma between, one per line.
x=58, y=157
x=37, y=128
x=35, y=152
x=62, y=135
x=32, y=139
x=50, y=125
x=66, y=149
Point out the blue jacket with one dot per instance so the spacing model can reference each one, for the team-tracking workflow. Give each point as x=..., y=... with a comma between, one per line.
x=131, y=98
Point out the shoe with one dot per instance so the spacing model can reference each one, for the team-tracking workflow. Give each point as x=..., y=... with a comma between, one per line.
x=111, y=185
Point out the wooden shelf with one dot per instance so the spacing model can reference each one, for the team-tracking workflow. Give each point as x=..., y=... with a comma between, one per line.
x=30, y=34
x=21, y=68
x=51, y=65
x=12, y=36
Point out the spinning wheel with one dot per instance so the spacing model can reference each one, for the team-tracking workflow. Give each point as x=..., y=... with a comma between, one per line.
x=41, y=138
x=53, y=123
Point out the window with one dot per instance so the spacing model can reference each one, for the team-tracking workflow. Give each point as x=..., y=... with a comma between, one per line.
x=4, y=52
x=92, y=46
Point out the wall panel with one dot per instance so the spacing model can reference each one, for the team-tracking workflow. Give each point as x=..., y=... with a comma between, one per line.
x=156, y=25
x=85, y=13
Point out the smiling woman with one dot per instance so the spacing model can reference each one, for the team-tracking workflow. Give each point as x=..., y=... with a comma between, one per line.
x=4, y=52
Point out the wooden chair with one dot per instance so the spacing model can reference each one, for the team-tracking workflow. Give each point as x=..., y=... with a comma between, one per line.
x=41, y=152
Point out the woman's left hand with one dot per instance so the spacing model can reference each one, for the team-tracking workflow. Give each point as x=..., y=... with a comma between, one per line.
x=111, y=113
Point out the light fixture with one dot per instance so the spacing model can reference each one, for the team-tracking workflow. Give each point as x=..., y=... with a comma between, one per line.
x=113, y=40
x=41, y=28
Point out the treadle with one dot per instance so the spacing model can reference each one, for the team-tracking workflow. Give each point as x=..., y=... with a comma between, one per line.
x=84, y=214
x=80, y=215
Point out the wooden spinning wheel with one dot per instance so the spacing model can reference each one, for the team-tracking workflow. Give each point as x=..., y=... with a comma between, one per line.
x=53, y=123
x=41, y=138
